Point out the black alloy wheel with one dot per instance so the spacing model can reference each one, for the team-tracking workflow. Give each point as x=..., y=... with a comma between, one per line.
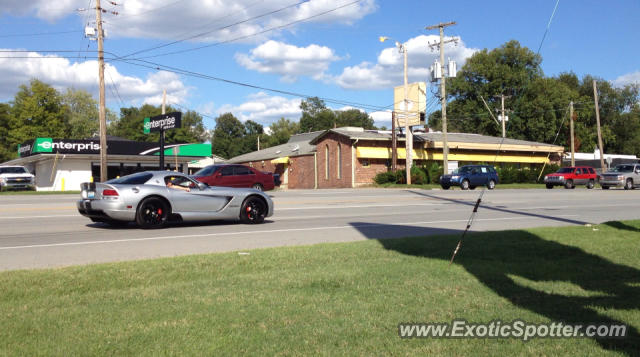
x=152, y=213
x=253, y=210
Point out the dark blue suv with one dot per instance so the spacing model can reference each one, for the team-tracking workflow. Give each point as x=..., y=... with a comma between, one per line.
x=471, y=176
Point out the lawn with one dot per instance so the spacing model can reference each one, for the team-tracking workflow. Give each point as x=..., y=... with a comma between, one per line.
x=334, y=299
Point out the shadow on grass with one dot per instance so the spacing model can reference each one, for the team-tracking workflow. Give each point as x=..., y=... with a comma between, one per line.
x=495, y=257
x=622, y=226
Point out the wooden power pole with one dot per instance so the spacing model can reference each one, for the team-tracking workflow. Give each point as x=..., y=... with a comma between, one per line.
x=595, y=97
x=573, y=149
x=443, y=94
x=102, y=110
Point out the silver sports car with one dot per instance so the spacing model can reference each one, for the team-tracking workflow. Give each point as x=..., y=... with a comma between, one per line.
x=153, y=198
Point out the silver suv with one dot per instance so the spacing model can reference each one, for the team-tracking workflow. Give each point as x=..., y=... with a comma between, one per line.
x=625, y=175
x=16, y=177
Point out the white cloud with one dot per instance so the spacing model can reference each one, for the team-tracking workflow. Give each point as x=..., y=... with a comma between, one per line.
x=287, y=60
x=171, y=19
x=381, y=118
x=629, y=78
x=62, y=74
x=264, y=109
x=389, y=69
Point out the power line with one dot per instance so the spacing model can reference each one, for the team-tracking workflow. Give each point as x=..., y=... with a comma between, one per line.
x=218, y=29
x=251, y=35
x=548, y=26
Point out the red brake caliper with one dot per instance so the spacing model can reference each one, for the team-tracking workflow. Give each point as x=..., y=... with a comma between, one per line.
x=160, y=211
x=249, y=211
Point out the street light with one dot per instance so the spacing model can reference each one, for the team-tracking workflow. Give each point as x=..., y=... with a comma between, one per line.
x=408, y=135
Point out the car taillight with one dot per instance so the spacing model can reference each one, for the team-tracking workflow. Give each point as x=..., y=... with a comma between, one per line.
x=109, y=192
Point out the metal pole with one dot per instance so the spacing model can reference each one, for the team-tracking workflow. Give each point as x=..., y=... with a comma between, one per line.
x=573, y=151
x=164, y=100
x=394, y=143
x=503, y=116
x=595, y=97
x=102, y=110
x=408, y=135
x=443, y=103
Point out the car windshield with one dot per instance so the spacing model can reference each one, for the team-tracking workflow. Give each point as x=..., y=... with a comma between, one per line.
x=623, y=168
x=462, y=170
x=207, y=171
x=133, y=179
x=565, y=170
x=12, y=170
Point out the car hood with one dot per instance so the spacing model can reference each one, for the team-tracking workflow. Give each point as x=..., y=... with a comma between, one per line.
x=17, y=175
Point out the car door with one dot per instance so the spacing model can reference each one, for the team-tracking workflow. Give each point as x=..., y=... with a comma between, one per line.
x=476, y=177
x=196, y=200
x=225, y=177
x=242, y=176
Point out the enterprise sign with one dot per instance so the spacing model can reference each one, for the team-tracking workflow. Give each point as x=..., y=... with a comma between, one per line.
x=163, y=122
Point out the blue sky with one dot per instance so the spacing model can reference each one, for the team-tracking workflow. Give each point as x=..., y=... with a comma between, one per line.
x=319, y=48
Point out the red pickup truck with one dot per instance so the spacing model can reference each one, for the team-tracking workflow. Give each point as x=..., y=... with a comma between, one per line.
x=569, y=177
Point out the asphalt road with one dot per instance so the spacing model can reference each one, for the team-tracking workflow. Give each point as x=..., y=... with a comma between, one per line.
x=46, y=231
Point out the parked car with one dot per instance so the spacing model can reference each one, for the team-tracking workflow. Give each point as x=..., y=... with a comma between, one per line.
x=16, y=177
x=625, y=175
x=571, y=176
x=232, y=175
x=153, y=198
x=470, y=177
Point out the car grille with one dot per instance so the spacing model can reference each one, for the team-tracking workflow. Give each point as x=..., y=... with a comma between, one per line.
x=553, y=178
x=19, y=180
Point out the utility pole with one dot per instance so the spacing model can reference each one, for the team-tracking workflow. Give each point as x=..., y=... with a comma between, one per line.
x=394, y=143
x=164, y=101
x=503, y=118
x=595, y=97
x=573, y=151
x=102, y=110
x=408, y=135
x=443, y=94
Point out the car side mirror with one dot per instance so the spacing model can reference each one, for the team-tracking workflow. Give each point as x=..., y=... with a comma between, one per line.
x=202, y=185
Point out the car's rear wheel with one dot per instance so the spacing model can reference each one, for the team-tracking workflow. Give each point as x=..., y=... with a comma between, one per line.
x=628, y=185
x=464, y=184
x=257, y=186
x=569, y=184
x=253, y=210
x=549, y=186
x=491, y=185
x=591, y=184
x=152, y=213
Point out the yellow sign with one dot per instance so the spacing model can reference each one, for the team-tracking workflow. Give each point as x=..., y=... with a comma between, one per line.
x=416, y=103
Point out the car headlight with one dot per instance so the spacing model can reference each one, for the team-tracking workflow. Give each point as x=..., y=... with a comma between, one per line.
x=455, y=177
x=561, y=177
x=620, y=177
x=3, y=180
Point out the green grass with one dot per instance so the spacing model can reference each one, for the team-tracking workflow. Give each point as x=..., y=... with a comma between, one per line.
x=8, y=193
x=334, y=299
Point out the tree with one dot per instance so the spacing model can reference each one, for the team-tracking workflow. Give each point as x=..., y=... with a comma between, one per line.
x=252, y=131
x=227, y=138
x=131, y=121
x=354, y=117
x=316, y=116
x=82, y=114
x=281, y=131
x=36, y=111
x=6, y=151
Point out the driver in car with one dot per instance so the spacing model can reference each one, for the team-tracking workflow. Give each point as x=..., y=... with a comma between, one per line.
x=175, y=184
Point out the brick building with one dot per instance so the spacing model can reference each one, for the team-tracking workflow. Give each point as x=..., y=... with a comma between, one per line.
x=351, y=157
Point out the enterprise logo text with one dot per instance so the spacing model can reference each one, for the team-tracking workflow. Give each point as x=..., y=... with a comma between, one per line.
x=69, y=146
x=162, y=123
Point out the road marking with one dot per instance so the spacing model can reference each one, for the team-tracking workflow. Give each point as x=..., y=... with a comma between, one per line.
x=363, y=225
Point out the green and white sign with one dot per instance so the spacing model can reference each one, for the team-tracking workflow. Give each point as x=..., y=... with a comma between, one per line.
x=162, y=122
x=43, y=145
x=147, y=125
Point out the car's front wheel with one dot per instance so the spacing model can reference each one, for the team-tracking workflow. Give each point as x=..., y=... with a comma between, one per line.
x=444, y=187
x=152, y=213
x=569, y=184
x=549, y=186
x=253, y=210
x=464, y=184
x=628, y=185
x=491, y=185
x=605, y=187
